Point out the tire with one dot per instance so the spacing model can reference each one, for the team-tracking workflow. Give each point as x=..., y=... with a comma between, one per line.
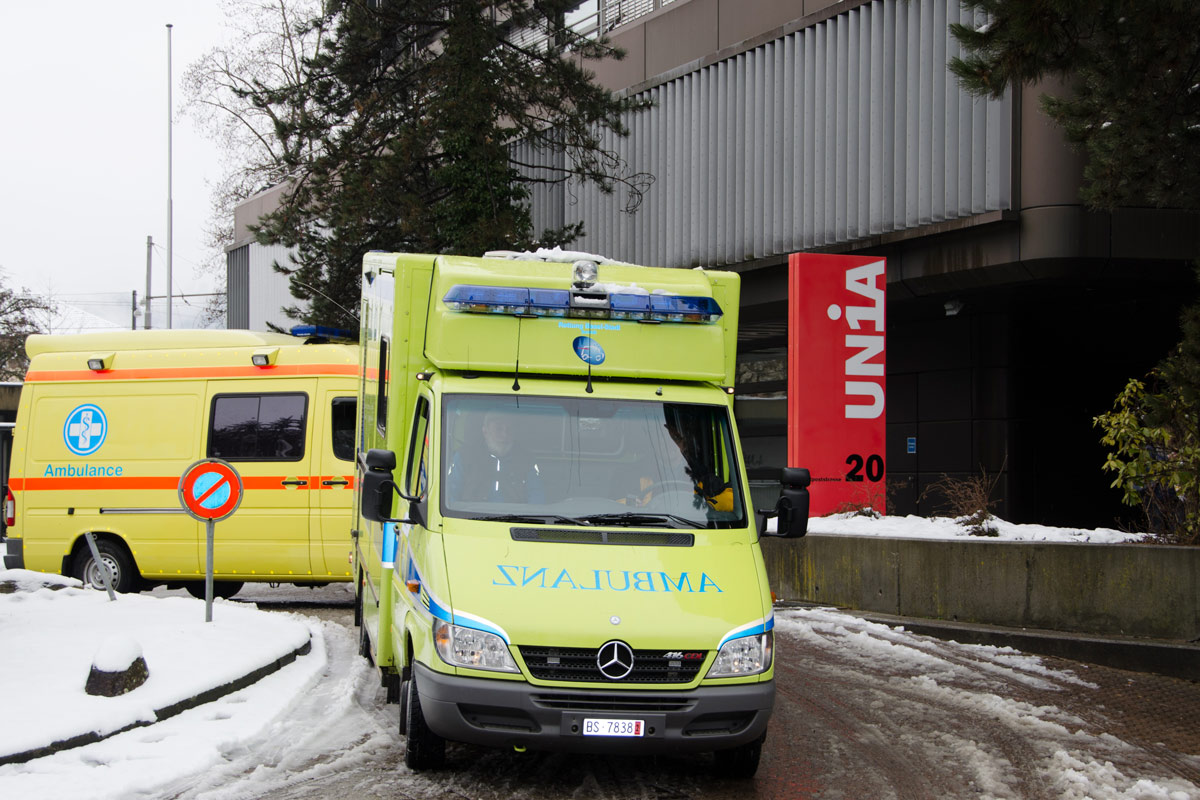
x=364, y=645
x=221, y=589
x=358, y=601
x=424, y=749
x=120, y=566
x=740, y=762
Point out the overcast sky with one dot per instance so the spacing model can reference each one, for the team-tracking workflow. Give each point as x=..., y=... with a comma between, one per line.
x=83, y=149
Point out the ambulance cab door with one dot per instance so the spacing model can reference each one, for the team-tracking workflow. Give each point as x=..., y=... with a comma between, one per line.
x=333, y=480
x=267, y=437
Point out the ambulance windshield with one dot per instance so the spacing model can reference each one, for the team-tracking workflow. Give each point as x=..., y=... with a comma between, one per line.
x=612, y=462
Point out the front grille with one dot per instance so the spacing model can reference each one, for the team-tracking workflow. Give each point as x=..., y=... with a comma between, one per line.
x=614, y=703
x=579, y=664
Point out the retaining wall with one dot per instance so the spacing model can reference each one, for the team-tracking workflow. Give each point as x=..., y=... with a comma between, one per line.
x=1132, y=590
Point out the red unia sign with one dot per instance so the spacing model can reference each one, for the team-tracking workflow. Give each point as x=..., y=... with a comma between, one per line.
x=836, y=377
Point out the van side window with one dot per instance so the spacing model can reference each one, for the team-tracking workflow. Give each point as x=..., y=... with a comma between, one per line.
x=341, y=423
x=381, y=392
x=258, y=427
x=417, y=474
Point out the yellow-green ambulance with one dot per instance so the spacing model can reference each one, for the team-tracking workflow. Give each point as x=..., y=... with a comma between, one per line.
x=108, y=422
x=556, y=547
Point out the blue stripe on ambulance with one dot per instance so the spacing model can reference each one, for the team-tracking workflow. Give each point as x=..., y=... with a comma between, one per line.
x=750, y=629
x=433, y=607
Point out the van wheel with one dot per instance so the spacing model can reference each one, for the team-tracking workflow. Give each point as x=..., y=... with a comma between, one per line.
x=364, y=645
x=740, y=762
x=423, y=749
x=221, y=589
x=358, y=601
x=114, y=555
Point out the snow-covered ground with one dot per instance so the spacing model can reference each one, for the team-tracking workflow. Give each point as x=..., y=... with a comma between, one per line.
x=51, y=631
x=259, y=737
x=912, y=527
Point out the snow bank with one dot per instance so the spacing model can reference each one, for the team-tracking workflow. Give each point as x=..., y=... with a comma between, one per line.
x=52, y=628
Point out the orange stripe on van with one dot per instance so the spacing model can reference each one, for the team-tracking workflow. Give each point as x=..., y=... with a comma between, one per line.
x=159, y=483
x=121, y=483
x=177, y=373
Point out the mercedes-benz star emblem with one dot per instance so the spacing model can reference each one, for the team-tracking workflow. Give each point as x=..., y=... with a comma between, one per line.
x=615, y=660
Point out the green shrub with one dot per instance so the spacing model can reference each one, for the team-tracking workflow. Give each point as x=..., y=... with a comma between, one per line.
x=1155, y=453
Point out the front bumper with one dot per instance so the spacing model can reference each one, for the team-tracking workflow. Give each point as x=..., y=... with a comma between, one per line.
x=500, y=713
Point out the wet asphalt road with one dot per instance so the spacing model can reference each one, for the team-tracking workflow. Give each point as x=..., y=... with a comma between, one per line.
x=862, y=711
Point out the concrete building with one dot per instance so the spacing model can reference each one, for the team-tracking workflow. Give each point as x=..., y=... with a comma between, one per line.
x=1015, y=315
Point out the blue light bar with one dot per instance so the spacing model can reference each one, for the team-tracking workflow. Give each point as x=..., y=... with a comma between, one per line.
x=630, y=306
x=520, y=301
x=507, y=300
x=676, y=308
x=322, y=331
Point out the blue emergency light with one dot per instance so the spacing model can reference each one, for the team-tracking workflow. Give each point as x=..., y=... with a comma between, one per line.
x=518, y=301
x=322, y=331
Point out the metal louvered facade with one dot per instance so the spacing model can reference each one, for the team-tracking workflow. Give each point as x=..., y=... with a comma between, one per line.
x=848, y=128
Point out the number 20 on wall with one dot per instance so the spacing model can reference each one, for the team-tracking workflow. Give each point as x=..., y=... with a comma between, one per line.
x=873, y=465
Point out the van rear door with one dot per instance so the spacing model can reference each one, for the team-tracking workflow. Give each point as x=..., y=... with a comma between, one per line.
x=332, y=498
x=267, y=436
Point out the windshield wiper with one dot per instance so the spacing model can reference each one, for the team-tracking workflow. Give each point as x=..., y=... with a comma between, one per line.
x=645, y=519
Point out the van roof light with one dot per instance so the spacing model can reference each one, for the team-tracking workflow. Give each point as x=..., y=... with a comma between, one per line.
x=585, y=274
x=264, y=357
x=100, y=361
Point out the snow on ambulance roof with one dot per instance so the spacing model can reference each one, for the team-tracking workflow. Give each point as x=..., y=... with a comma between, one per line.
x=553, y=254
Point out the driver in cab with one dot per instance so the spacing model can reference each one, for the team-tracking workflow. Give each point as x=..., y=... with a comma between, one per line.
x=496, y=467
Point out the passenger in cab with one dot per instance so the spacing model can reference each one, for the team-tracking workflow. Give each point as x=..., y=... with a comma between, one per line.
x=685, y=461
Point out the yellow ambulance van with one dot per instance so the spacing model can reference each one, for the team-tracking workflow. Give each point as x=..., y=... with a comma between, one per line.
x=555, y=546
x=108, y=422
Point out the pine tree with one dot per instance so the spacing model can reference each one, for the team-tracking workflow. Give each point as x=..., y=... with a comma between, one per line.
x=415, y=105
x=1133, y=72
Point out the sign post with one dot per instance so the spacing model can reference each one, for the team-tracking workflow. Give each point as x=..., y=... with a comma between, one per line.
x=837, y=378
x=210, y=490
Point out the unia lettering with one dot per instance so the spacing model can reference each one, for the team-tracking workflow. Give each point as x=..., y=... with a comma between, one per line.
x=863, y=347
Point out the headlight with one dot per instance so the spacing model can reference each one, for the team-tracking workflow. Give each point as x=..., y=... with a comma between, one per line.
x=467, y=647
x=748, y=655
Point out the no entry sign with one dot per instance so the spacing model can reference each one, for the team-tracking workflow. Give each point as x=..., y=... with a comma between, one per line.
x=210, y=490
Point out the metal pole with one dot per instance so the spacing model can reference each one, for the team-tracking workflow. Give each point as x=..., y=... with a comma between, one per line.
x=208, y=571
x=170, y=214
x=103, y=567
x=133, y=313
x=149, y=248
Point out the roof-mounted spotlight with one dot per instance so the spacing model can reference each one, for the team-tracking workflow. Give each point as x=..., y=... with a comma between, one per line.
x=98, y=362
x=264, y=357
x=585, y=274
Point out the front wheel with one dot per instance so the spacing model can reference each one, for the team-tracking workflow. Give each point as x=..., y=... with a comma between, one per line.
x=114, y=555
x=740, y=762
x=424, y=748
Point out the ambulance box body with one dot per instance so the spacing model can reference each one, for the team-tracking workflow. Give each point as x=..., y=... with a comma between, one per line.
x=108, y=423
x=555, y=546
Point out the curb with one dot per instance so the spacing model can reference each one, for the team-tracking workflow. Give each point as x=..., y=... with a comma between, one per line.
x=167, y=711
x=1173, y=659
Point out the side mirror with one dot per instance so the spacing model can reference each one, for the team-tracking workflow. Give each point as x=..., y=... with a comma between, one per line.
x=792, y=508
x=377, y=467
x=378, y=482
